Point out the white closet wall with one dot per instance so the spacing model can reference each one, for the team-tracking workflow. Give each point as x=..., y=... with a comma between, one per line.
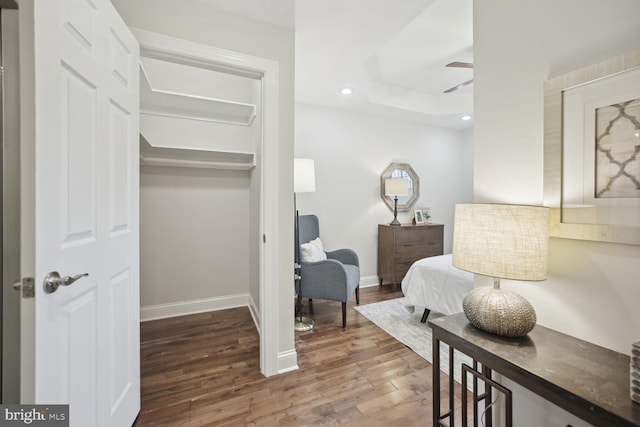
x=194, y=234
x=199, y=134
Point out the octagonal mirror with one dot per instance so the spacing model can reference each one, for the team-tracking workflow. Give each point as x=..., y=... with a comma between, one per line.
x=401, y=171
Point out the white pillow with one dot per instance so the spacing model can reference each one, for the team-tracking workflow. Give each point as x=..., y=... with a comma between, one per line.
x=312, y=251
x=318, y=244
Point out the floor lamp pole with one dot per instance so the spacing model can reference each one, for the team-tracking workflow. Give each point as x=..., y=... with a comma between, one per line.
x=302, y=323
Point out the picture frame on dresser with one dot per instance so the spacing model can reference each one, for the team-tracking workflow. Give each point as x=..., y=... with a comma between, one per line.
x=418, y=216
x=426, y=215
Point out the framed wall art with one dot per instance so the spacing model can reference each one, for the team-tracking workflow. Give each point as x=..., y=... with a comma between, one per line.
x=592, y=151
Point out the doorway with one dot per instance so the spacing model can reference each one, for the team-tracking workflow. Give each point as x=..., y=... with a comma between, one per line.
x=263, y=258
x=200, y=140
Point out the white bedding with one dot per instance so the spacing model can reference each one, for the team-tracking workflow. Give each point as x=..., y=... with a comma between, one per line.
x=434, y=283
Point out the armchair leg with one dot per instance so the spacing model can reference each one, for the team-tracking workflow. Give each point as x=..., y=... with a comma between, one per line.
x=344, y=315
x=358, y=295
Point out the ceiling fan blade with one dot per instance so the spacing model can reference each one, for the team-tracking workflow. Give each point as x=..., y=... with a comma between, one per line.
x=460, y=64
x=460, y=86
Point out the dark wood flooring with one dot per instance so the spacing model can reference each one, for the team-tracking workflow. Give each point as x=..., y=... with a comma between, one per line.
x=204, y=370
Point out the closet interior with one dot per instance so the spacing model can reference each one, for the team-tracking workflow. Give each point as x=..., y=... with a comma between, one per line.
x=200, y=187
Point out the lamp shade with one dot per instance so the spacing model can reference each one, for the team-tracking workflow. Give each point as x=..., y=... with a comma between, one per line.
x=304, y=176
x=502, y=241
x=396, y=187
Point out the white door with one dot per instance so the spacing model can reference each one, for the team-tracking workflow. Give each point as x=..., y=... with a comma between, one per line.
x=80, y=204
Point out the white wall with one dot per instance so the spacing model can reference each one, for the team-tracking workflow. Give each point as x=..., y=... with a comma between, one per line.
x=194, y=234
x=352, y=150
x=592, y=289
x=198, y=22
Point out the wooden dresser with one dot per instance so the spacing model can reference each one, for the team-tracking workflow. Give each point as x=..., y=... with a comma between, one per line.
x=401, y=245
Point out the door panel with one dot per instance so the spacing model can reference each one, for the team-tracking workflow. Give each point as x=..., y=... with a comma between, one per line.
x=79, y=318
x=121, y=350
x=78, y=110
x=120, y=175
x=80, y=19
x=86, y=210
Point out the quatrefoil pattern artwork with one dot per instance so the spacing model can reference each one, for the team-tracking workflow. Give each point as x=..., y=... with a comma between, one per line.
x=618, y=150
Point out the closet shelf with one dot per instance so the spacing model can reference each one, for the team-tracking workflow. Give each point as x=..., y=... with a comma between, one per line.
x=193, y=158
x=186, y=106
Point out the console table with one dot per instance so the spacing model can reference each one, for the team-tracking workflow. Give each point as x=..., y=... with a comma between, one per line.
x=586, y=380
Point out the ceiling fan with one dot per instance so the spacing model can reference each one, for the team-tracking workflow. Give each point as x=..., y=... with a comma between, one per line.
x=459, y=65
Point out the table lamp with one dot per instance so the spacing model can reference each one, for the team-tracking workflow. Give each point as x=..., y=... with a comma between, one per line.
x=501, y=241
x=394, y=187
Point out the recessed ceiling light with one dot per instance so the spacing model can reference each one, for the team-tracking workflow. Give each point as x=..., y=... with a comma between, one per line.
x=346, y=91
x=465, y=117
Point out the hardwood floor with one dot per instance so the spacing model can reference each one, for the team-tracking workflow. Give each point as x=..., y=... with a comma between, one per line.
x=204, y=370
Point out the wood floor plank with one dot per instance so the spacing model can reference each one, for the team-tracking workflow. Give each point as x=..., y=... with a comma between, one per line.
x=203, y=370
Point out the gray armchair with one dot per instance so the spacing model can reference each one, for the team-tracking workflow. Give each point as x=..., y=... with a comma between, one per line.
x=335, y=278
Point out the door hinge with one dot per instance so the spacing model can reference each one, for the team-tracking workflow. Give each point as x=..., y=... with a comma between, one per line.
x=264, y=238
x=27, y=286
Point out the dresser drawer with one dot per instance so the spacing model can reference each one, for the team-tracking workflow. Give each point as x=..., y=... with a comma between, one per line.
x=418, y=234
x=416, y=251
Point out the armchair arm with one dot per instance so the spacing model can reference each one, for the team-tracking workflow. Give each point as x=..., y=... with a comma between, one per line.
x=326, y=279
x=345, y=256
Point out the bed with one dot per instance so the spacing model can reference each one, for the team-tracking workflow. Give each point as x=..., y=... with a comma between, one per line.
x=434, y=284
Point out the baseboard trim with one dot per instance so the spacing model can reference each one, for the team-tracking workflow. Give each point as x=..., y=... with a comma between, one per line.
x=369, y=281
x=287, y=361
x=255, y=313
x=183, y=308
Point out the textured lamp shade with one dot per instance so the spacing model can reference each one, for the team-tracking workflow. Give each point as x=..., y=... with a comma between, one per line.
x=501, y=241
x=304, y=176
x=505, y=241
x=396, y=187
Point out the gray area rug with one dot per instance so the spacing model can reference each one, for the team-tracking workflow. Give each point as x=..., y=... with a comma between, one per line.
x=398, y=320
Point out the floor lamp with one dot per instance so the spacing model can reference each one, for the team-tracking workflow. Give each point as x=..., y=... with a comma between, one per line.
x=304, y=181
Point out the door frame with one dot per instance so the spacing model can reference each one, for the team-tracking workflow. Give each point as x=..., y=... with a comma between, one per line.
x=161, y=46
